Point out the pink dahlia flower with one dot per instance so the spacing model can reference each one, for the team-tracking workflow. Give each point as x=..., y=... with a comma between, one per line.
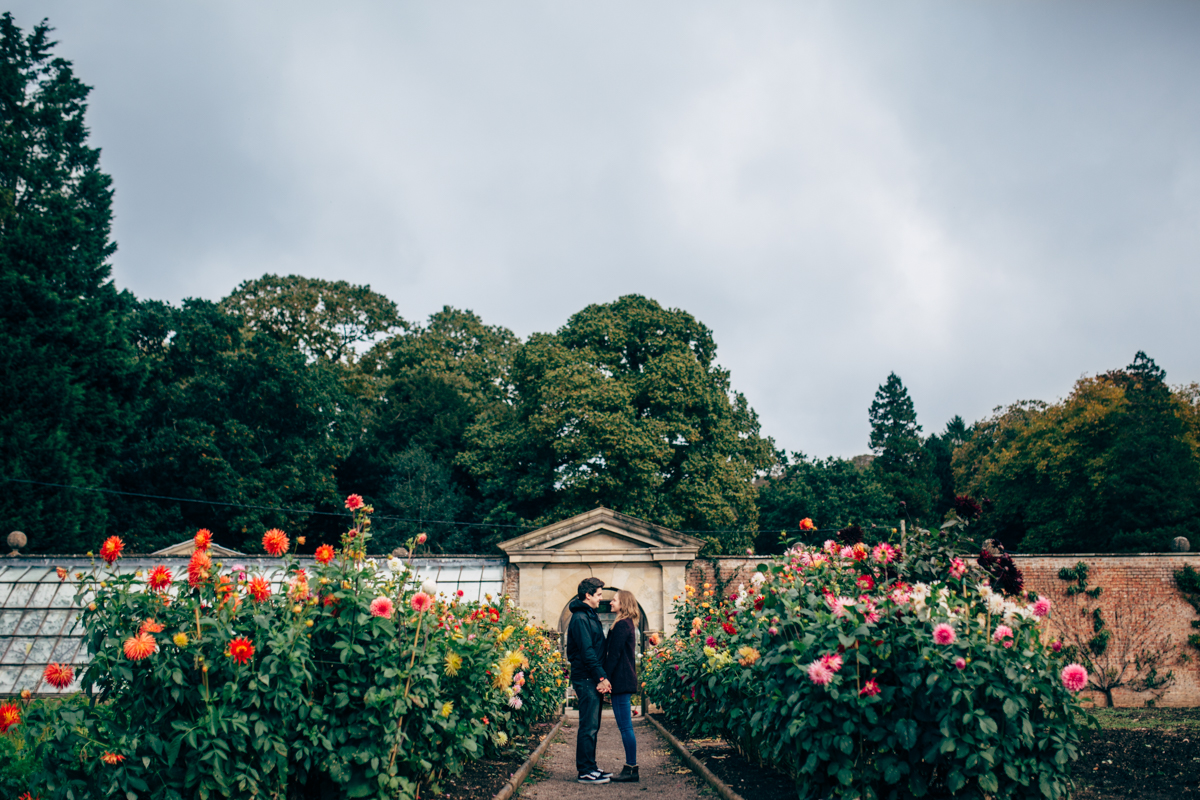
x=819, y=674
x=884, y=553
x=871, y=689
x=1074, y=677
x=958, y=568
x=1041, y=608
x=960, y=663
x=421, y=602
x=832, y=662
x=1002, y=632
x=382, y=607
x=944, y=634
x=1056, y=646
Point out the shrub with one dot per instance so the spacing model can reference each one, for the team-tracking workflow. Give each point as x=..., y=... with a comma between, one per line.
x=833, y=669
x=343, y=680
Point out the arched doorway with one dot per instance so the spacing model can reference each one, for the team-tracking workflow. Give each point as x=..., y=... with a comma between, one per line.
x=607, y=617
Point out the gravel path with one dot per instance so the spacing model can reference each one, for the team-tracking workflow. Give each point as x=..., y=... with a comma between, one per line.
x=662, y=774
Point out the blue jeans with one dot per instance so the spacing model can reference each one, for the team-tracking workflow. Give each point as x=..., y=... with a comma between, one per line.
x=621, y=712
x=589, y=725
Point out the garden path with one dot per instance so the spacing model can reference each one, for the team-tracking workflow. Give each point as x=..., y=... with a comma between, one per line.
x=662, y=774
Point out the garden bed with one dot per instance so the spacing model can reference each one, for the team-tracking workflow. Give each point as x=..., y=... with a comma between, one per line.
x=1146, y=753
x=482, y=779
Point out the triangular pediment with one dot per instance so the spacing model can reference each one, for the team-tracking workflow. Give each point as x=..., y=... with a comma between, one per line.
x=188, y=546
x=601, y=530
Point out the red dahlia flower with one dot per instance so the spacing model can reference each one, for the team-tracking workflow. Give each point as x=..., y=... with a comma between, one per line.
x=59, y=675
x=199, y=568
x=275, y=542
x=160, y=578
x=259, y=588
x=110, y=551
x=354, y=502
x=325, y=554
x=241, y=650
x=728, y=628
x=10, y=715
x=112, y=759
x=203, y=539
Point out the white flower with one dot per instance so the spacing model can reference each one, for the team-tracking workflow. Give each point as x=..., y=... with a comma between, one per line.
x=430, y=588
x=995, y=603
x=372, y=565
x=757, y=578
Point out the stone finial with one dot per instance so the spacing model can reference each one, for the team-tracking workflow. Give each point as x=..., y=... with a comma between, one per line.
x=17, y=540
x=1180, y=544
x=400, y=552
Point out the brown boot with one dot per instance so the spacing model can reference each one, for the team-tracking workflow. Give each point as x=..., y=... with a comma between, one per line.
x=628, y=775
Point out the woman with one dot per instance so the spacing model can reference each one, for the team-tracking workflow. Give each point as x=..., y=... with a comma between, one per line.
x=621, y=667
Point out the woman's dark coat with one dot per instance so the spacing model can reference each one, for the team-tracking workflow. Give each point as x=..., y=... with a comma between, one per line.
x=619, y=661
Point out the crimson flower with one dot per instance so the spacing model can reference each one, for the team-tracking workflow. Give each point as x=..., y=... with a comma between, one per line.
x=10, y=715
x=354, y=502
x=865, y=582
x=728, y=628
x=59, y=675
x=110, y=551
x=871, y=689
x=241, y=650
x=275, y=542
x=160, y=578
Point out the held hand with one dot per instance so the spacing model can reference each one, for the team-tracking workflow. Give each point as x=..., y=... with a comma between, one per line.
x=604, y=687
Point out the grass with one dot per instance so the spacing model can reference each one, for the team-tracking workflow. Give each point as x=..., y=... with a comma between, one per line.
x=1161, y=718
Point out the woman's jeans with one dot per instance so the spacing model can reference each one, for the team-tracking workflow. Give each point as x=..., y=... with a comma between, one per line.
x=621, y=711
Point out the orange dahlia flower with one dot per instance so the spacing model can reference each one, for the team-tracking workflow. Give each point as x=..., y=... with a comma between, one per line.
x=110, y=551
x=59, y=675
x=160, y=578
x=150, y=626
x=203, y=539
x=325, y=554
x=112, y=758
x=10, y=715
x=259, y=588
x=140, y=646
x=806, y=524
x=61, y=573
x=275, y=542
x=241, y=650
x=199, y=568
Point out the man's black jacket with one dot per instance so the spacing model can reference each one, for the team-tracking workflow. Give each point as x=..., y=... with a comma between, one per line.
x=585, y=643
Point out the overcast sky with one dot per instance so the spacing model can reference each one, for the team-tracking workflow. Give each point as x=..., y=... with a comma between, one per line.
x=989, y=198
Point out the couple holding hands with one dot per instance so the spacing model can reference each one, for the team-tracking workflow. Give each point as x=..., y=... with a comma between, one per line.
x=603, y=666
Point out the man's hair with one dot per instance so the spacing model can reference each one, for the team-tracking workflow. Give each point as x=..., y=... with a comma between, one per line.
x=589, y=586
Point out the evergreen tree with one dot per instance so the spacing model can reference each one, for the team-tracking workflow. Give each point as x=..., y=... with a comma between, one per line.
x=940, y=448
x=67, y=401
x=902, y=464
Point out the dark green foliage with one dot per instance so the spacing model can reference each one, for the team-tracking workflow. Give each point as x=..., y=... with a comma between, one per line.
x=623, y=407
x=1187, y=580
x=234, y=419
x=833, y=492
x=903, y=465
x=68, y=397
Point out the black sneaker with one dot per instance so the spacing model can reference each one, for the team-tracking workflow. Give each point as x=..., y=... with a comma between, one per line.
x=595, y=776
x=604, y=774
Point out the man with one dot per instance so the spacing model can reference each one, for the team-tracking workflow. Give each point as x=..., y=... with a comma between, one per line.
x=585, y=651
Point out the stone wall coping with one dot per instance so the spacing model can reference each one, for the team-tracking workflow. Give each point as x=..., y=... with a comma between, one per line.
x=1105, y=555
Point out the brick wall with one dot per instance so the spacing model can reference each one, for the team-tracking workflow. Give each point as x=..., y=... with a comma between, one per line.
x=1140, y=605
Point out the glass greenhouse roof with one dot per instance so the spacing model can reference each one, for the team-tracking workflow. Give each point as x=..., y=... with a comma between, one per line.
x=39, y=621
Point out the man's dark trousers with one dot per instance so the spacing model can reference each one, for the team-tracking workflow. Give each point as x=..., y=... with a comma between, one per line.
x=589, y=725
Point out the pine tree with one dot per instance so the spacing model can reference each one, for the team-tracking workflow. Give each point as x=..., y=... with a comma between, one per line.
x=70, y=375
x=901, y=462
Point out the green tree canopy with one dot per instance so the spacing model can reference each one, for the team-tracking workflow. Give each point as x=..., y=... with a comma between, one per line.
x=231, y=419
x=1112, y=467
x=623, y=407
x=832, y=492
x=902, y=464
x=68, y=398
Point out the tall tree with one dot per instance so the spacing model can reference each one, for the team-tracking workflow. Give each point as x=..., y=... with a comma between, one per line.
x=903, y=465
x=623, y=407
x=67, y=400
x=940, y=448
x=1113, y=467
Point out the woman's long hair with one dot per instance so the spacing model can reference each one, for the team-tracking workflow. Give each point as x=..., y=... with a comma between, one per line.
x=629, y=607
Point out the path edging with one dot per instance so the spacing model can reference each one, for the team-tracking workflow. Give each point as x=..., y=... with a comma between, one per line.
x=716, y=783
x=517, y=778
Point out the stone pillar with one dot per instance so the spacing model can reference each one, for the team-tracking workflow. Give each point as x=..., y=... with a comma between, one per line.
x=674, y=577
x=532, y=592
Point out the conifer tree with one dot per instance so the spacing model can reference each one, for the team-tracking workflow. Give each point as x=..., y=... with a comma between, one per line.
x=903, y=465
x=70, y=375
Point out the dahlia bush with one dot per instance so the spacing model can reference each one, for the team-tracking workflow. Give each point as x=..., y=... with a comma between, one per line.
x=833, y=668
x=343, y=680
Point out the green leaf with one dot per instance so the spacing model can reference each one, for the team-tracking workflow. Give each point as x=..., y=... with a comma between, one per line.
x=1011, y=708
x=988, y=782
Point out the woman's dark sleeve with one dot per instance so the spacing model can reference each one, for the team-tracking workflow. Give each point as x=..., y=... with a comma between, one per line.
x=614, y=646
